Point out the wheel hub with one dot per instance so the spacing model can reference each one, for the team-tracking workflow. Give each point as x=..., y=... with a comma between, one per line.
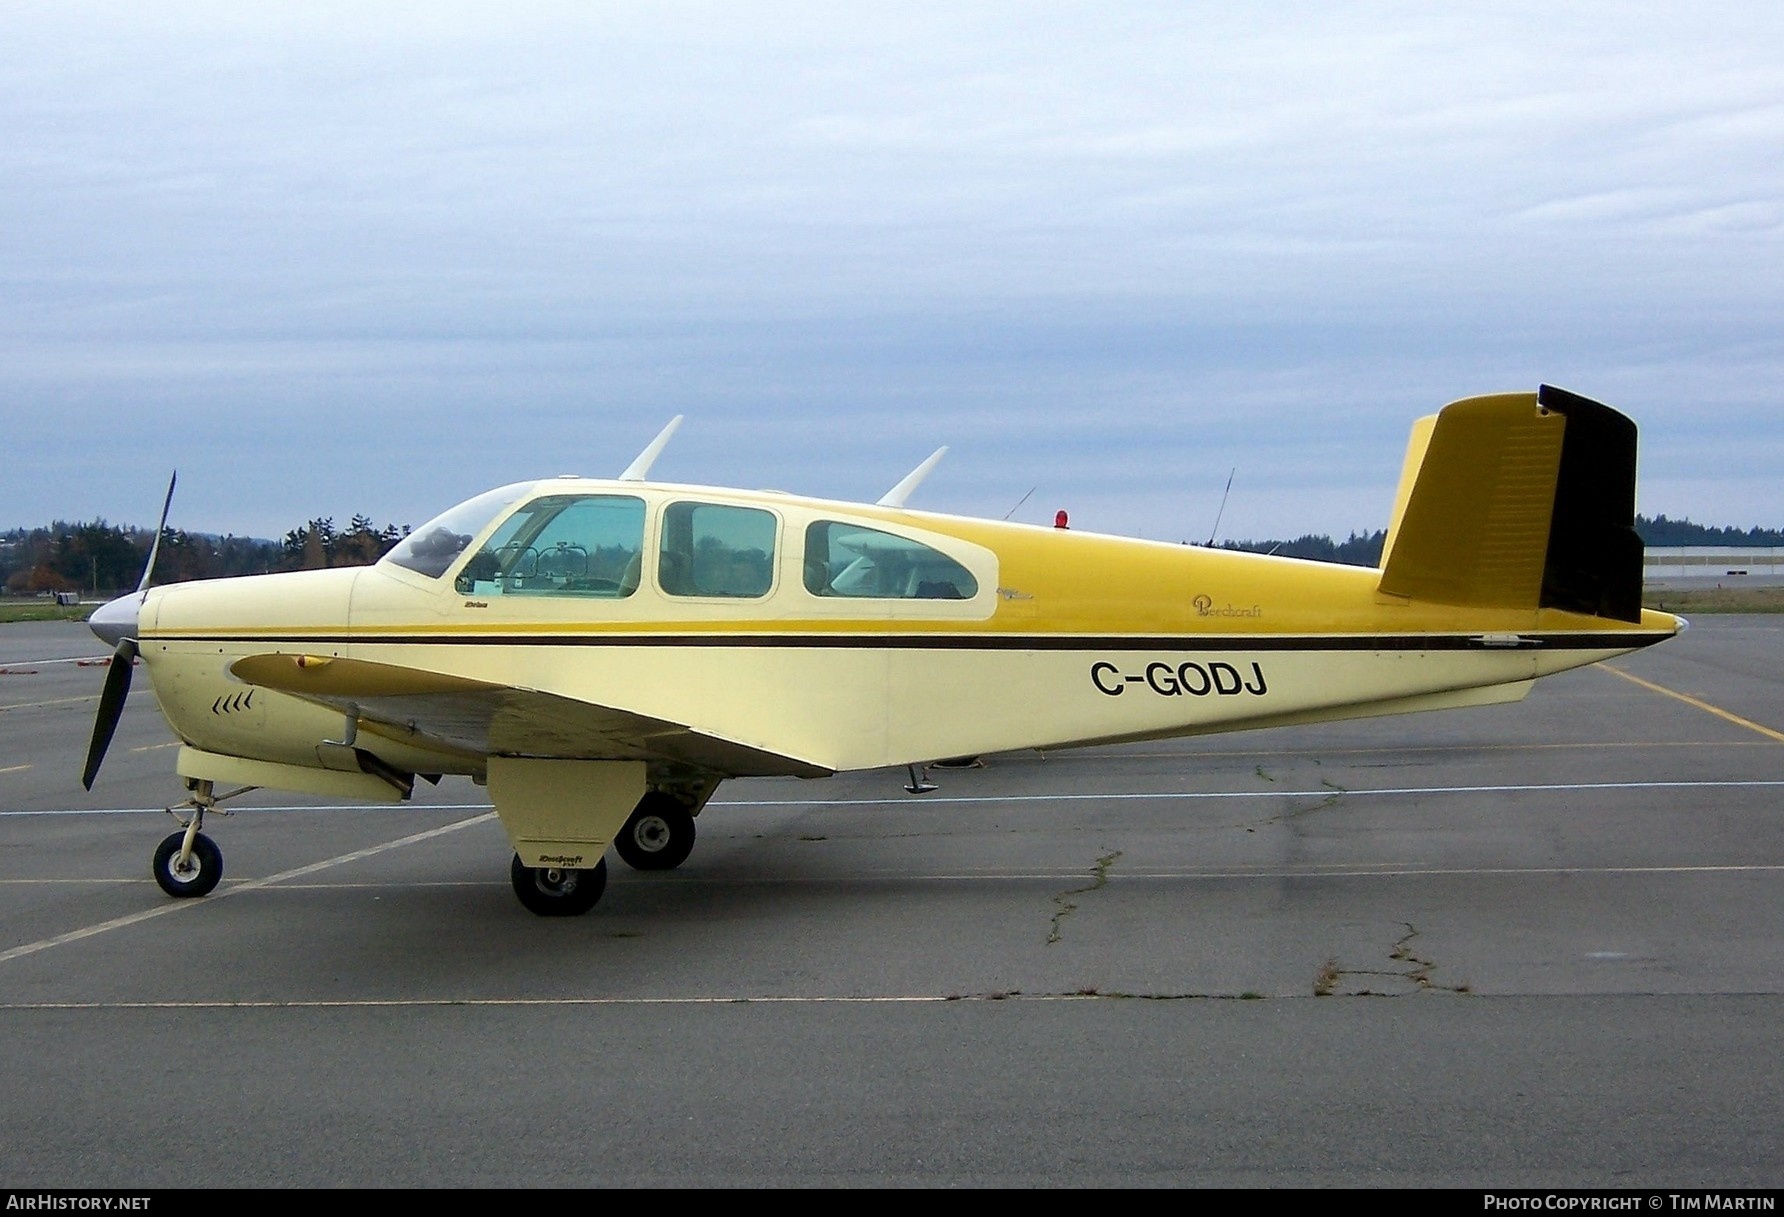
x=651, y=833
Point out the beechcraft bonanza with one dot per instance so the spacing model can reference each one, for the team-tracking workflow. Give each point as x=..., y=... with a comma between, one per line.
x=602, y=654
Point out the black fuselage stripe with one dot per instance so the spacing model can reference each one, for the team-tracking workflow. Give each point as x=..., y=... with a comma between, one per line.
x=968, y=642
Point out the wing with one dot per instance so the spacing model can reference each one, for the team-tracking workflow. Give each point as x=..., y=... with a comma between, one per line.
x=492, y=719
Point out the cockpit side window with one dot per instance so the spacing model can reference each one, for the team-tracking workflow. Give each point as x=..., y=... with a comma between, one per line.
x=849, y=560
x=562, y=545
x=713, y=549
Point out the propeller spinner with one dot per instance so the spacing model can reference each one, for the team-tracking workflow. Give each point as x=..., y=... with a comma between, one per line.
x=116, y=623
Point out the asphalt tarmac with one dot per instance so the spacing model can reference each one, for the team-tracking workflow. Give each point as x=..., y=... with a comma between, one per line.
x=1537, y=945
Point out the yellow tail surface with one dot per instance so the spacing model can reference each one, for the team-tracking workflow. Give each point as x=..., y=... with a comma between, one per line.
x=1519, y=500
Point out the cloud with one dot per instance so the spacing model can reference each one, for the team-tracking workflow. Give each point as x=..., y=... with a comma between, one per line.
x=1116, y=253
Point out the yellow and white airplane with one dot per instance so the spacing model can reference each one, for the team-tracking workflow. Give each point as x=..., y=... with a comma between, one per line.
x=604, y=653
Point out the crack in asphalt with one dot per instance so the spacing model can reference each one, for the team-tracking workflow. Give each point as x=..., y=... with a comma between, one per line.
x=1099, y=877
x=1295, y=813
x=1330, y=974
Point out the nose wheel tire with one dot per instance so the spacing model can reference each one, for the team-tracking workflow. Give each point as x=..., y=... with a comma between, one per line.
x=200, y=873
x=658, y=835
x=558, y=891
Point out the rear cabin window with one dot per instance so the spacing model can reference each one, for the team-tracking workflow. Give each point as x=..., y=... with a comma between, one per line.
x=562, y=545
x=849, y=560
x=710, y=549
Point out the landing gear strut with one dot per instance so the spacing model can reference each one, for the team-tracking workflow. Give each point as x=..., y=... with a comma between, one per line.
x=188, y=863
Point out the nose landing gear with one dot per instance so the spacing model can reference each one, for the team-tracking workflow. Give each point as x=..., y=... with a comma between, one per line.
x=188, y=863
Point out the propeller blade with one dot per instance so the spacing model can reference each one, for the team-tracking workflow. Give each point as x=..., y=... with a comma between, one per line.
x=111, y=707
x=155, y=547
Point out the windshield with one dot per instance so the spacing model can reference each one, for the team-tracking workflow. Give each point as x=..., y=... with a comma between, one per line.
x=436, y=545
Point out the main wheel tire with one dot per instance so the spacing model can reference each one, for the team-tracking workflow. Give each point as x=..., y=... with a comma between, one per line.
x=199, y=875
x=658, y=835
x=552, y=891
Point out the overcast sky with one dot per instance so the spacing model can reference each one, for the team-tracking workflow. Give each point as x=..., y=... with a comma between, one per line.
x=370, y=259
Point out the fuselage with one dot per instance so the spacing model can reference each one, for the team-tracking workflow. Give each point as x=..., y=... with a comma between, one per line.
x=837, y=635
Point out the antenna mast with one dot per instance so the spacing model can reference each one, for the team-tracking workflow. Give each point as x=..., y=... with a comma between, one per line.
x=1222, y=511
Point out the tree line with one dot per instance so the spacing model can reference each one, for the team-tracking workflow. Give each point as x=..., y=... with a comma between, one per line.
x=1662, y=531
x=1364, y=549
x=1358, y=549
x=97, y=558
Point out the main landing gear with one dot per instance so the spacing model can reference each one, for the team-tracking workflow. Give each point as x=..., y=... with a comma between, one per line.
x=188, y=863
x=558, y=891
x=657, y=836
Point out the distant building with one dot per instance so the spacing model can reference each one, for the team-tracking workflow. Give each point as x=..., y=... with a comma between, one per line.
x=1670, y=563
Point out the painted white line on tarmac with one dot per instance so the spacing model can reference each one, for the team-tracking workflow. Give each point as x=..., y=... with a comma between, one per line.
x=174, y=906
x=1190, y=795
x=97, y=661
x=238, y=811
x=399, y=1002
x=1115, y=876
x=38, y=705
x=965, y=800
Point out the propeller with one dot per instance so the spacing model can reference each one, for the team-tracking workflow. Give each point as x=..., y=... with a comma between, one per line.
x=111, y=707
x=116, y=622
